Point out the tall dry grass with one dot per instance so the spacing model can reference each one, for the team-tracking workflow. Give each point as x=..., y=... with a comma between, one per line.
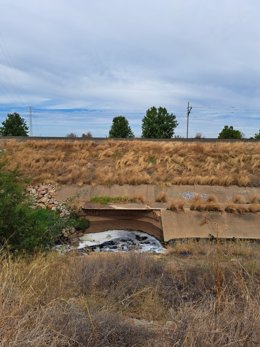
x=240, y=207
x=136, y=162
x=209, y=299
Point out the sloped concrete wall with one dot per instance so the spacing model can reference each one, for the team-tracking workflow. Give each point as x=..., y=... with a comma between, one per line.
x=193, y=224
x=166, y=225
x=150, y=192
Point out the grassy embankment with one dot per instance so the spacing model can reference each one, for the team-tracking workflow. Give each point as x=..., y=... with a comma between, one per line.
x=112, y=162
x=208, y=298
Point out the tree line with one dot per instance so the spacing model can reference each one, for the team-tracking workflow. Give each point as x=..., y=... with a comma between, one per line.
x=157, y=123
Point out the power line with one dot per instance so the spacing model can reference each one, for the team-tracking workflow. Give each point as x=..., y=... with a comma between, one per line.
x=227, y=109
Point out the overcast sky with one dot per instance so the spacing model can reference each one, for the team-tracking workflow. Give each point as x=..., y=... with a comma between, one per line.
x=80, y=63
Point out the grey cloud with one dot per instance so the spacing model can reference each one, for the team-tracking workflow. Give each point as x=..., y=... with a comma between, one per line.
x=129, y=55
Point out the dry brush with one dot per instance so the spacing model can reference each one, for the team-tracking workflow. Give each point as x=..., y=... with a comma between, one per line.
x=211, y=299
x=136, y=162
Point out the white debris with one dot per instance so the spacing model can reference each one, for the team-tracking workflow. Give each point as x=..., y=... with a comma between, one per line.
x=121, y=241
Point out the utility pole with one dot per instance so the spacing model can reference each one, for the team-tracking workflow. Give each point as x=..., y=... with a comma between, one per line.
x=30, y=115
x=189, y=108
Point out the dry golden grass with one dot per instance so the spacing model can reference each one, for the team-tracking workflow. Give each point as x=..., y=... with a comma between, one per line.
x=254, y=199
x=162, y=197
x=228, y=250
x=136, y=162
x=210, y=298
x=176, y=205
x=238, y=199
x=239, y=208
x=212, y=198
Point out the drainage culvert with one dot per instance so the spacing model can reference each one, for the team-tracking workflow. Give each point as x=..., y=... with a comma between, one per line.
x=142, y=219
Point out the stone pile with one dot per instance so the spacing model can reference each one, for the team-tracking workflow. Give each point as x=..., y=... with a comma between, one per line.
x=71, y=236
x=43, y=197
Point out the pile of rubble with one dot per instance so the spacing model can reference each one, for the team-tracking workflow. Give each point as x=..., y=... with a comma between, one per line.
x=43, y=196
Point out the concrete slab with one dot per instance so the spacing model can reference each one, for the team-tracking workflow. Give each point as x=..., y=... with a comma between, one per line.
x=150, y=192
x=192, y=224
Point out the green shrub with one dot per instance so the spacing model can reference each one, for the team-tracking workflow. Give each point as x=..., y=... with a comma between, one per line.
x=33, y=229
x=77, y=222
x=23, y=228
x=106, y=200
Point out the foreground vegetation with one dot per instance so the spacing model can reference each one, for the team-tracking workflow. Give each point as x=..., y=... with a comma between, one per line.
x=137, y=162
x=200, y=294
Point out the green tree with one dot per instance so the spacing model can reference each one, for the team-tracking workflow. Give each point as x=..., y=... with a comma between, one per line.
x=71, y=135
x=158, y=123
x=228, y=132
x=14, y=125
x=257, y=135
x=120, y=128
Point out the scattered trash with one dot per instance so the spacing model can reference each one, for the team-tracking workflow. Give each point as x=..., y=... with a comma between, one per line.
x=185, y=253
x=120, y=241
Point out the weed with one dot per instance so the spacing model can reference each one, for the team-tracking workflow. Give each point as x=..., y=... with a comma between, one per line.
x=213, y=207
x=152, y=160
x=162, y=197
x=238, y=199
x=176, y=206
x=254, y=199
x=106, y=200
x=212, y=198
x=138, y=198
